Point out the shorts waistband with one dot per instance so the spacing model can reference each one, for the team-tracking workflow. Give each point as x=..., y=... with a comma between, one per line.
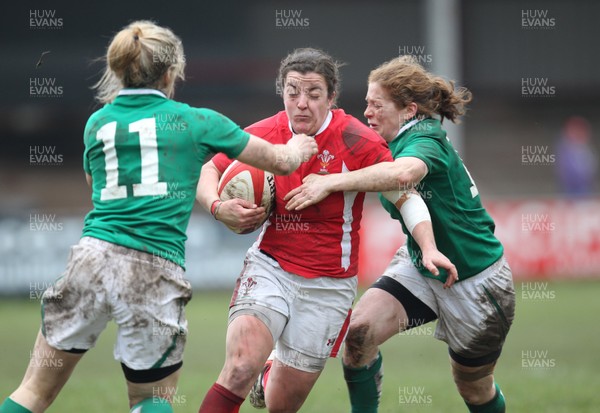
x=152, y=259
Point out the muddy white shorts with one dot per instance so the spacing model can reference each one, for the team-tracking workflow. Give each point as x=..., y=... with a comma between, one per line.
x=474, y=315
x=308, y=317
x=143, y=293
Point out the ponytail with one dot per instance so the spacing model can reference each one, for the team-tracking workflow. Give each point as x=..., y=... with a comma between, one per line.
x=450, y=103
x=139, y=56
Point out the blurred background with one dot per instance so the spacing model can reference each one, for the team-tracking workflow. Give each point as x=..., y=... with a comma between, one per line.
x=530, y=141
x=530, y=138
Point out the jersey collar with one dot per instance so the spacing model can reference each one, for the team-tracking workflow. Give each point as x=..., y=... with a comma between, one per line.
x=408, y=126
x=124, y=92
x=321, y=129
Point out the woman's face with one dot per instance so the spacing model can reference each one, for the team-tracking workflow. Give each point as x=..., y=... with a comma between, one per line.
x=382, y=114
x=306, y=101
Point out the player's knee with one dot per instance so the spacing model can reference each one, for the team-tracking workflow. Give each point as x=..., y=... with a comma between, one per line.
x=240, y=372
x=159, y=383
x=474, y=384
x=466, y=390
x=357, y=340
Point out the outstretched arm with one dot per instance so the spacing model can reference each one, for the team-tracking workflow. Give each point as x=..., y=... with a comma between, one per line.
x=281, y=159
x=402, y=174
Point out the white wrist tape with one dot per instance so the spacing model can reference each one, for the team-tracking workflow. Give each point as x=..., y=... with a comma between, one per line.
x=414, y=211
x=394, y=196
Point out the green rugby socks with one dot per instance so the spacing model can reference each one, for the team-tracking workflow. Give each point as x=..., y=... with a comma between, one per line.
x=364, y=386
x=152, y=405
x=496, y=405
x=10, y=406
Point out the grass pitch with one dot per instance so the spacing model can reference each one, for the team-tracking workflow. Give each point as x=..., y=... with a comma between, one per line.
x=550, y=363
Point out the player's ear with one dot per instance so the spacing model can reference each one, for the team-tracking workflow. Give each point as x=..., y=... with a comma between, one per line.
x=167, y=82
x=167, y=79
x=331, y=99
x=411, y=110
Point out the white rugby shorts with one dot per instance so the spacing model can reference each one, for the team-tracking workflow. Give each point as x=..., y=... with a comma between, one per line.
x=474, y=315
x=308, y=317
x=143, y=293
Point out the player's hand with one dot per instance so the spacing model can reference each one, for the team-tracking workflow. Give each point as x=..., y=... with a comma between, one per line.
x=239, y=213
x=432, y=259
x=314, y=189
x=303, y=147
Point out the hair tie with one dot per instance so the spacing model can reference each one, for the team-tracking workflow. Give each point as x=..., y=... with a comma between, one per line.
x=136, y=37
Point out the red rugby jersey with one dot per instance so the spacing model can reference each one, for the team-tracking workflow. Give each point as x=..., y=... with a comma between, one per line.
x=321, y=240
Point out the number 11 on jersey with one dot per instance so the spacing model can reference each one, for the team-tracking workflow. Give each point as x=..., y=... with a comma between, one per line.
x=146, y=129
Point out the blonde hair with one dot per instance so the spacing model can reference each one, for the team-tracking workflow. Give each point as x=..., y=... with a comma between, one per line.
x=139, y=56
x=407, y=81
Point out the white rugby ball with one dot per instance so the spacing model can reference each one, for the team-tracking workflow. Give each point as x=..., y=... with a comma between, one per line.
x=252, y=184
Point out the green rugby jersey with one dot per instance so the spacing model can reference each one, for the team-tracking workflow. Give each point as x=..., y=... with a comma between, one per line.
x=144, y=153
x=464, y=231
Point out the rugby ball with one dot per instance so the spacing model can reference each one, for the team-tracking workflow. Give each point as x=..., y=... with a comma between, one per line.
x=252, y=184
